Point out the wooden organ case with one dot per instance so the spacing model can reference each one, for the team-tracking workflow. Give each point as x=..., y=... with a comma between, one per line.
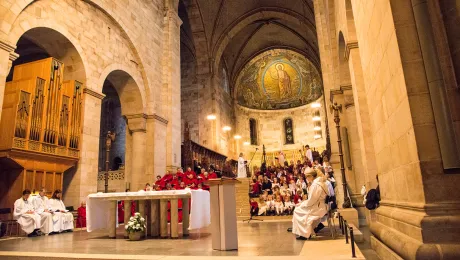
x=40, y=129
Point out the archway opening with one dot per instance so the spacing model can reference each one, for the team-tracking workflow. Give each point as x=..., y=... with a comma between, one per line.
x=46, y=120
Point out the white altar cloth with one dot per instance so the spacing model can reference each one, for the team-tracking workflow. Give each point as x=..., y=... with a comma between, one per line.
x=97, y=206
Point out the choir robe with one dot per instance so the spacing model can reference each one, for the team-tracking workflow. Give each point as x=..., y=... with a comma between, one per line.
x=241, y=168
x=81, y=217
x=41, y=204
x=188, y=181
x=310, y=212
x=61, y=220
x=28, y=222
x=212, y=175
x=187, y=173
x=164, y=180
x=175, y=183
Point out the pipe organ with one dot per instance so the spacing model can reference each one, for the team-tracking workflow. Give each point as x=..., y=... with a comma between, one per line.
x=40, y=128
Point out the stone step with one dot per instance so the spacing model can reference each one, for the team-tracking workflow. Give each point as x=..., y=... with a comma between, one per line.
x=357, y=233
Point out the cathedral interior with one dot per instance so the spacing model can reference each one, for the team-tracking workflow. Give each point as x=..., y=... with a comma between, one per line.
x=371, y=85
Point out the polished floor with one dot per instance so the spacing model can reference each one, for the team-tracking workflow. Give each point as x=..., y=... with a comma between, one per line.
x=255, y=239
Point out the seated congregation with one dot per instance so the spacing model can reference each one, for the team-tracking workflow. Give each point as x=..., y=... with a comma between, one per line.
x=278, y=190
x=38, y=215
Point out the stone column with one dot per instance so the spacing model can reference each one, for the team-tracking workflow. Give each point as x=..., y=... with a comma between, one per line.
x=137, y=127
x=171, y=83
x=81, y=180
x=160, y=125
x=7, y=56
x=363, y=122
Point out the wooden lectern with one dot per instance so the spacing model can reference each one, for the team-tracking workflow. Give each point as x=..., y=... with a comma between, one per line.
x=223, y=214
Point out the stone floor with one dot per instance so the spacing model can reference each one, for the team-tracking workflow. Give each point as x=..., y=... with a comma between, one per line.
x=266, y=238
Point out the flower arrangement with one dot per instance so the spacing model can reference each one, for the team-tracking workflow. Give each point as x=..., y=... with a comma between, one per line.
x=136, y=224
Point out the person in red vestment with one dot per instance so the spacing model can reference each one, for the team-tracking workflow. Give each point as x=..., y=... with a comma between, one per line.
x=181, y=186
x=158, y=181
x=180, y=174
x=189, y=171
x=121, y=211
x=81, y=218
x=255, y=188
x=190, y=179
x=166, y=179
x=212, y=175
x=175, y=182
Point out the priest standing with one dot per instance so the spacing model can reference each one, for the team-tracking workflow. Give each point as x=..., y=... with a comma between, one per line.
x=241, y=167
x=41, y=205
x=24, y=213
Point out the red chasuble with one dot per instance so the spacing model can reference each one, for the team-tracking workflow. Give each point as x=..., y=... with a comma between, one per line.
x=81, y=218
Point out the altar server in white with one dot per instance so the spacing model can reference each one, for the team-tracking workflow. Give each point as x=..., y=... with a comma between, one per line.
x=42, y=207
x=310, y=212
x=25, y=214
x=241, y=167
x=62, y=219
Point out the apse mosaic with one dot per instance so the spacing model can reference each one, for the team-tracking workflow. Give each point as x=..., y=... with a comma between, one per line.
x=278, y=79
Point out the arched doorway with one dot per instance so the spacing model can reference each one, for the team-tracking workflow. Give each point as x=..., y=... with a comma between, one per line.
x=122, y=113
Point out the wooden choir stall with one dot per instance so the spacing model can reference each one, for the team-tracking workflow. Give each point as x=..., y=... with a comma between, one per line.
x=40, y=129
x=194, y=153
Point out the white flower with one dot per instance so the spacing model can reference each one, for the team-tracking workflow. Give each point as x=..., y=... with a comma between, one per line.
x=138, y=225
x=142, y=219
x=131, y=219
x=137, y=214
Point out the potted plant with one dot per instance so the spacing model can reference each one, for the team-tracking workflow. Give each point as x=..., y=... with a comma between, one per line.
x=135, y=227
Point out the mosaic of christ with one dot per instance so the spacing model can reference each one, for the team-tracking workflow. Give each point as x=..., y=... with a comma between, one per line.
x=278, y=79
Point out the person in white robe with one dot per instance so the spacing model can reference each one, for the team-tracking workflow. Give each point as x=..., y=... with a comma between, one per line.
x=241, y=167
x=26, y=216
x=62, y=218
x=41, y=205
x=309, y=213
x=309, y=153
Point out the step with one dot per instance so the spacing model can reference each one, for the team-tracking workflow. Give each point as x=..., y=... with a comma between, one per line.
x=357, y=233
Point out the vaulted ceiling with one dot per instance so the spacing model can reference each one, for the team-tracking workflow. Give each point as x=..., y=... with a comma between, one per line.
x=237, y=30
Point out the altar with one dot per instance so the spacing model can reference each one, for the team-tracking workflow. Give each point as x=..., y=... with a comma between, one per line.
x=101, y=211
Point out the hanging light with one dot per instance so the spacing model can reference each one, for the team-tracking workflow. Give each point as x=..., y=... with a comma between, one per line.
x=316, y=118
x=316, y=128
x=315, y=105
x=237, y=137
x=317, y=136
x=246, y=143
x=226, y=128
x=211, y=117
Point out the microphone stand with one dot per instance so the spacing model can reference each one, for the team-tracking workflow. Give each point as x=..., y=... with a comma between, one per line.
x=250, y=218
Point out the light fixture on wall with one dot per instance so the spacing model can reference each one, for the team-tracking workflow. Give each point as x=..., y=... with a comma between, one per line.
x=226, y=128
x=246, y=143
x=237, y=137
x=316, y=105
x=317, y=135
x=316, y=118
x=211, y=117
x=316, y=128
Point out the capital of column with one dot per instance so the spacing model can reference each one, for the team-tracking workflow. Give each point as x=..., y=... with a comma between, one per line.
x=348, y=47
x=173, y=16
x=6, y=46
x=137, y=122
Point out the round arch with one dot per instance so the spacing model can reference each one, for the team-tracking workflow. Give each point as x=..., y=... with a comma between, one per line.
x=127, y=87
x=47, y=35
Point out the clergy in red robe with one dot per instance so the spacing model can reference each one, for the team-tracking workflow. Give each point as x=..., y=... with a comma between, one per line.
x=81, y=217
x=181, y=186
x=158, y=181
x=166, y=179
x=174, y=182
x=180, y=174
x=189, y=171
x=121, y=211
x=189, y=180
x=212, y=175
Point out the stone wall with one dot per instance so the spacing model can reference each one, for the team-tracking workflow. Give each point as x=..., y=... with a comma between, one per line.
x=108, y=36
x=270, y=128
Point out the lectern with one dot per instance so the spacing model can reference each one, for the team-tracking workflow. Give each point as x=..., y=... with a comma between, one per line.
x=223, y=214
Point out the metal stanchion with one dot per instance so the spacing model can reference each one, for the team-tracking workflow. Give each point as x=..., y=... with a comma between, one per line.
x=346, y=231
x=352, y=238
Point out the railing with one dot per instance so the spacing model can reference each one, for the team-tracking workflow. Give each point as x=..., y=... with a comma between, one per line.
x=41, y=147
x=345, y=229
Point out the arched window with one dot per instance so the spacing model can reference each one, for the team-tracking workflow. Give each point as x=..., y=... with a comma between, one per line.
x=288, y=131
x=225, y=81
x=253, y=131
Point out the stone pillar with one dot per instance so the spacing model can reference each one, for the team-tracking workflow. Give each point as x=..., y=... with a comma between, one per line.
x=137, y=127
x=160, y=125
x=81, y=180
x=7, y=56
x=363, y=122
x=171, y=83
